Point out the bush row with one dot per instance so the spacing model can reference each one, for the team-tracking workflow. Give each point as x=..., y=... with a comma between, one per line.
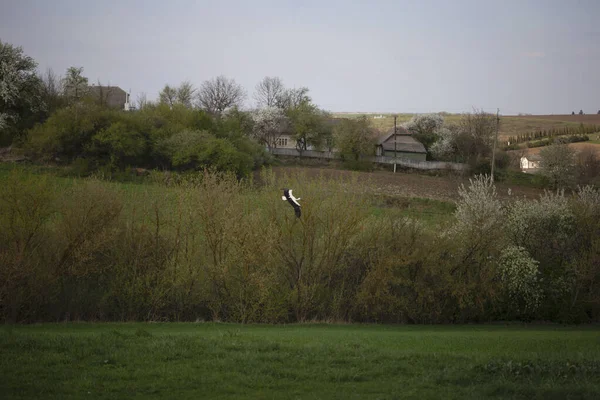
x=90, y=138
x=211, y=247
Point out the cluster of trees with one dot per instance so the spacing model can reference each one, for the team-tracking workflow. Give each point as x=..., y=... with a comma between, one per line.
x=213, y=248
x=56, y=119
x=558, y=140
x=470, y=140
x=565, y=169
x=551, y=133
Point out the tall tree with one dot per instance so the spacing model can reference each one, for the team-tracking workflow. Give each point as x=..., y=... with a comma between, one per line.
x=185, y=94
x=20, y=92
x=268, y=91
x=425, y=128
x=269, y=124
x=558, y=164
x=355, y=138
x=75, y=84
x=291, y=98
x=308, y=125
x=219, y=94
x=141, y=101
x=168, y=96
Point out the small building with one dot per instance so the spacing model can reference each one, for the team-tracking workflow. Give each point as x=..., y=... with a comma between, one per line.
x=110, y=96
x=530, y=163
x=401, y=144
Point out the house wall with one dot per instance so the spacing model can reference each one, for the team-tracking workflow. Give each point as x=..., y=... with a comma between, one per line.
x=424, y=165
x=406, y=156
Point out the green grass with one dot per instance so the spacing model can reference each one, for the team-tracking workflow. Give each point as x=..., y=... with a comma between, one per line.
x=217, y=361
x=594, y=138
x=429, y=211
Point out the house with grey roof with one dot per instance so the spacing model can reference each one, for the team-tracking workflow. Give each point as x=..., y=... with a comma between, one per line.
x=400, y=144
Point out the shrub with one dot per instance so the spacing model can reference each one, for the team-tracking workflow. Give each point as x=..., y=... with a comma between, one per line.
x=520, y=276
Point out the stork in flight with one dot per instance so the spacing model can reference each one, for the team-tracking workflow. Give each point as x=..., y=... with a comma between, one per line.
x=287, y=195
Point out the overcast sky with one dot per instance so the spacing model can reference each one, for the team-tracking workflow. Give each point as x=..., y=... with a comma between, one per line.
x=537, y=56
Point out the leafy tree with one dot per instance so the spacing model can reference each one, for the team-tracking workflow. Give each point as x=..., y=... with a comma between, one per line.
x=558, y=165
x=196, y=150
x=291, y=98
x=120, y=144
x=75, y=84
x=308, y=125
x=580, y=112
x=355, y=138
x=21, y=96
x=168, y=95
x=219, y=94
x=184, y=94
x=67, y=133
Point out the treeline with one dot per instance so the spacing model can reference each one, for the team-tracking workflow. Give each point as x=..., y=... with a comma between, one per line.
x=210, y=247
x=578, y=131
x=558, y=140
x=94, y=138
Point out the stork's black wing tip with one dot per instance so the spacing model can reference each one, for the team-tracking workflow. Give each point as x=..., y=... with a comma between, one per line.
x=297, y=211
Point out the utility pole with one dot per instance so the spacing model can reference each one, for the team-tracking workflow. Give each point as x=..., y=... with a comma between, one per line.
x=495, y=140
x=395, y=141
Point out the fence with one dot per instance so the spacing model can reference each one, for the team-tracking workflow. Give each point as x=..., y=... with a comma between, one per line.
x=425, y=165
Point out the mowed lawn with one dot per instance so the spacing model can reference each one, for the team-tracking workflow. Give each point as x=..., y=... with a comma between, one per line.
x=216, y=361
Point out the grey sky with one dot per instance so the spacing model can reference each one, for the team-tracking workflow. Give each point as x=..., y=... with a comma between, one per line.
x=386, y=56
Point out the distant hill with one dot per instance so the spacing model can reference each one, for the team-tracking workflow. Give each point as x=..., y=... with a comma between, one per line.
x=509, y=124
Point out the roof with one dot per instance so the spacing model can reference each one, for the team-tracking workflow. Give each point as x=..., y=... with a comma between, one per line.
x=533, y=157
x=400, y=131
x=113, y=96
x=404, y=142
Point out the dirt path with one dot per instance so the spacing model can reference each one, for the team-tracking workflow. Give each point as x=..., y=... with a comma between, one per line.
x=404, y=184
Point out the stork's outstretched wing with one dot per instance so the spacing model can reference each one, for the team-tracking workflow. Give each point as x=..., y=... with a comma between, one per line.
x=287, y=195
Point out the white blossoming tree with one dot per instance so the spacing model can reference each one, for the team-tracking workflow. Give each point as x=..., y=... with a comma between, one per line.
x=269, y=124
x=425, y=128
x=521, y=279
x=20, y=91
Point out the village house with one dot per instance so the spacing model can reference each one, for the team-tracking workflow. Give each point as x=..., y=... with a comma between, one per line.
x=400, y=144
x=530, y=163
x=110, y=96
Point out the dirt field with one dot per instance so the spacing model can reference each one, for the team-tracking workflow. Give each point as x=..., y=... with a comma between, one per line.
x=593, y=119
x=402, y=184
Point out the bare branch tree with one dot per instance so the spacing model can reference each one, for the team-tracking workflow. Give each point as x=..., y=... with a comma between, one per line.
x=52, y=89
x=141, y=101
x=268, y=91
x=219, y=94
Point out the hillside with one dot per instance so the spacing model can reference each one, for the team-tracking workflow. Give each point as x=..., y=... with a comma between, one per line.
x=509, y=124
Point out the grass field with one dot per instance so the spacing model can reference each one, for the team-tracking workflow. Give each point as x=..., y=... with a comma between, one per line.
x=218, y=361
x=509, y=125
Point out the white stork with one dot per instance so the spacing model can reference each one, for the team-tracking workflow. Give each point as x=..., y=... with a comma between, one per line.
x=287, y=195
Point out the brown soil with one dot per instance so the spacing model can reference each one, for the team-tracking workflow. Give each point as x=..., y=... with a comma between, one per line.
x=402, y=184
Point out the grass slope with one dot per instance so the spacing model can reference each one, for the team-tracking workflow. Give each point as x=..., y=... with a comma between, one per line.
x=217, y=361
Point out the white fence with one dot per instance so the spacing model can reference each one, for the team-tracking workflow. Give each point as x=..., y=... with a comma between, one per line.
x=403, y=162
